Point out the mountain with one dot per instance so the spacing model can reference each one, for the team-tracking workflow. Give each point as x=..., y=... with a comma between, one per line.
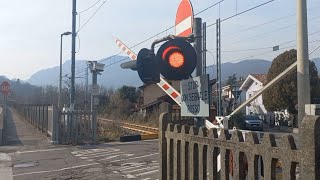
x=113, y=75
x=242, y=68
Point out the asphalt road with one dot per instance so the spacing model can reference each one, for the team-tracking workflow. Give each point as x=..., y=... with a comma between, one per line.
x=29, y=156
x=134, y=160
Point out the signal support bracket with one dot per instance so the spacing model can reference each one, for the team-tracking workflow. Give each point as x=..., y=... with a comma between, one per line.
x=170, y=37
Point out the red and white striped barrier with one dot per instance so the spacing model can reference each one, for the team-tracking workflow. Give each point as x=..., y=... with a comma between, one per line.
x=163, y=84
x=126, y=49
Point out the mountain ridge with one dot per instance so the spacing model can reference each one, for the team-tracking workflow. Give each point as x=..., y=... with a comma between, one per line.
x=115, y=77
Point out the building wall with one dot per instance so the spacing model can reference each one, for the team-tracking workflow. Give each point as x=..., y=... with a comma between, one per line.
x=152, y=92
x=253, y=89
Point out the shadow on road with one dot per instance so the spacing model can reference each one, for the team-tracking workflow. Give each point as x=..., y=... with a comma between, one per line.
x=11, y=134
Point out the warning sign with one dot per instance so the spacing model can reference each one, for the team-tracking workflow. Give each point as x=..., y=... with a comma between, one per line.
x=195, y=97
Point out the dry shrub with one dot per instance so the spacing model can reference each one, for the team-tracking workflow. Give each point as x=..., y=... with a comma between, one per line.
x=111, y=132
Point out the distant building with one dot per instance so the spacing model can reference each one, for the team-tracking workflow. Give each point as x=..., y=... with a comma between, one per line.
x=252, y=84
x=231, y=96
x=153, y=96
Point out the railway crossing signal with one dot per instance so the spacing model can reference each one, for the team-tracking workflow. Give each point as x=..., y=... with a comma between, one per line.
x=147, y=67
x=176, y=59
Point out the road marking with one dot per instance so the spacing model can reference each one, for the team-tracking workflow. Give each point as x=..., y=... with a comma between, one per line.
x=111, y=157
x=133, y=142
x=134, y=157
x=148, y=172
x=56, y=170
x=5, y=167
x=98, y=155
x=146, y=179
x=141, y=169
x=95, y=151
x=130, y=167
x=129, y=176
x=41, y=150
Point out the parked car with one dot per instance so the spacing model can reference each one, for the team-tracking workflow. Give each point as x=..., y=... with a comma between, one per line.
x=253, y=123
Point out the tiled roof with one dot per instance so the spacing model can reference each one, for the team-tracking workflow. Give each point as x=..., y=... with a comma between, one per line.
x=260, y=77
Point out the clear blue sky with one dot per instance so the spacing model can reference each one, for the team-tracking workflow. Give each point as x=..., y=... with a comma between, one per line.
x=30, y=30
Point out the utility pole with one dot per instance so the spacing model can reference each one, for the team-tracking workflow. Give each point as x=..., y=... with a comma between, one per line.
x=204, y=47
x=302, y=59
x=198, y=46
x=95, y=68
x=86, y=88
x=60, y=74
x=219, y=88
x=73, y=55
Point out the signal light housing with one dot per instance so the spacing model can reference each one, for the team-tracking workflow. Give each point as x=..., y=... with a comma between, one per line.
x=147, y=67
x=177, y=59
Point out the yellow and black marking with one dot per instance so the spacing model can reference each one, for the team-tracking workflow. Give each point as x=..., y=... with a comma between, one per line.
x=138, y=137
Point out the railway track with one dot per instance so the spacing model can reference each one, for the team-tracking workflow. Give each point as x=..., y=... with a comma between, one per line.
x=133, y=127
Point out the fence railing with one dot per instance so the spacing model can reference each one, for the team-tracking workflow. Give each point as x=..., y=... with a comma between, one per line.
x=75, y=127
x=187, y=152
x=42, y=117
x=64, y=127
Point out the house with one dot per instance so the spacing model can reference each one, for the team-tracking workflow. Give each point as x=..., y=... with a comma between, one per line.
x=231, y=96
x=252, y=84
x=153, y=96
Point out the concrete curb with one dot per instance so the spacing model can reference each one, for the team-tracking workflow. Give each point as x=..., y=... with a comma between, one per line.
x=138, y=137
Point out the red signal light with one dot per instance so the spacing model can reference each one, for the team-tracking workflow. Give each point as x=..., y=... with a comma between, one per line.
x=176, y=59
x=169, y=49
x=174, y=56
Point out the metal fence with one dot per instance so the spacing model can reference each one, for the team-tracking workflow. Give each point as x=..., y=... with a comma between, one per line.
x=38, y=116
x=187, y=152
x=64, y=127
x=75, y=127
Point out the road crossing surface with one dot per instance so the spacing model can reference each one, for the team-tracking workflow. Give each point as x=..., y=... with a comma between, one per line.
x=123, y=163
x=133, y=160
x=28, y=155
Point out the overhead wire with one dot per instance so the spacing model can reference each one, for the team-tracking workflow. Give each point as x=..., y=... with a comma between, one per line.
x=253, y=49
x=89, y=7
x=286, y=47
x=265, y=23
x=91, y=17
x=275, y=30
x=242, y=12
x=218, y=3
x=211, y=6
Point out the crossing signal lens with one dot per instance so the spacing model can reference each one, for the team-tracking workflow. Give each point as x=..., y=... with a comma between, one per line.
x=177, y=59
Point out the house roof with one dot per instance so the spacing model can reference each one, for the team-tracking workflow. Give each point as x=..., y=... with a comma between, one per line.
x=261, y=78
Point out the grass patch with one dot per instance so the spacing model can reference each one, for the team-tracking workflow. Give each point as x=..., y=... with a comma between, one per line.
x=111, y=132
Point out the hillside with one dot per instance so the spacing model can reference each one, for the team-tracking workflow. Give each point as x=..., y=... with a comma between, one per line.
x=114, y=76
